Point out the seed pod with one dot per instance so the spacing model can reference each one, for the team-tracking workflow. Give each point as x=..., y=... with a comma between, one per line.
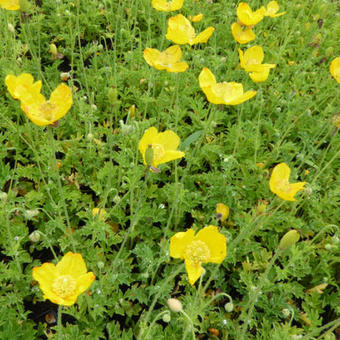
x=289, y=238
x=149, y=155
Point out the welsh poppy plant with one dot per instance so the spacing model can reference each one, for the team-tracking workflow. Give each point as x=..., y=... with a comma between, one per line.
x=10, y=5
x=251, y=62
x=222, y=93
x=167, y=60
x=39, y=110
x=159, y=147
x=334, y=69
x=181, y=32
x=279, y=183
x=271, y=10
x=242, y=35
x=167, y=6
x=247, y=17
x=208, y=245
x=64, y=282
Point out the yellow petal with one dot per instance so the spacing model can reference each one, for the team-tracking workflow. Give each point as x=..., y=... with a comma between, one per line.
x=71, y=264
x=241, y=99
x=84, y=282
x=174, y=52
x=45, y=275
x=272, y=8
x=170, y=156
x=180, y=30
x=10, y=5
x=18, y=86
x=168, y=139
x=167, y=6
x=216, y=242
x=240, y=35
x=179, y=242
x=247, y=17
x=203, y=37
x=259, y=77
x=253, y=55
x=334, y=69
x=206, y=78
x=241, y=56
x=223, y=211
x=178, y=67
x=61, y=99
x=213, y=94
x=196, y=18
x=194, y=271
x=151, y=56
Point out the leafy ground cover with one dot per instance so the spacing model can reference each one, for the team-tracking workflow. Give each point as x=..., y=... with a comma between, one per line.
x=52, y=177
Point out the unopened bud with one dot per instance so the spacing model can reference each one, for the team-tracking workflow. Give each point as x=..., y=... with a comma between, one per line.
x=229, y=307
x=166, y=317
x=116, y=199
x=289, y=238
x=100, y=264
x=149, y=155
x=34, y=236
x=3, y=196
x=11, y=28
x=222, y=212
x=29, y=214
x=175, y=305
x=53, y=50
x=285, y=312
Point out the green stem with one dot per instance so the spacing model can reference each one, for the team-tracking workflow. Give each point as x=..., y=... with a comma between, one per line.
x=191, y=325
x=59, y=324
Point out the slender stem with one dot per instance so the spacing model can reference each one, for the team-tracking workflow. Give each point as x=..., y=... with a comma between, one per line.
x=190, y=323
x=157, y=317
x=59, y=324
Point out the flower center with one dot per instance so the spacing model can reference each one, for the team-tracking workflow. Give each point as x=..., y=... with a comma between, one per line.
x=64, y=286
x=158, y=151
x=47, y=109
x=283, y=185
x=197, y=252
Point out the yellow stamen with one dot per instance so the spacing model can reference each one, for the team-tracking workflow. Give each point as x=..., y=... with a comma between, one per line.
x=197, y=252
x=64, y=286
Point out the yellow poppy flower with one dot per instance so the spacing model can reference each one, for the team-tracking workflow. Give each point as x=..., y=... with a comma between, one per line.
x=222, y=93
x=18, y=86
x=196, y=18
x=247, y=17
x=181, y=32
x=222, y=212
x=251, y=62
x=334, y=69
x=279, y=183
x=45, y=112
x=163, y=145
x=64, y=282
x=167, y=6
x=100, y=213
x=242, y=35
x=10, y=5
x=167, y=60
x=272, y=8
x=208, y=245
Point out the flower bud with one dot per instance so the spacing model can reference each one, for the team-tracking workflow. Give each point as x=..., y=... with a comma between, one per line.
x=34, y=236
x=222, y=212
x=229, y=307
x=116, y=199
x=285, y=312
x=175, y=305
x=289, y=238
x=166, y=317
x=29, y=214
x=100, y=264
x=11, y=28
x=53, y=50
x=3, y=196
x=149, y=155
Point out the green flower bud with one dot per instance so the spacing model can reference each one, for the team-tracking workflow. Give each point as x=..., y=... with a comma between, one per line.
x=289, y=238
x=149, y=155
x=34, y=236
x=53, y=50
x=229, y=307
x=166, y=317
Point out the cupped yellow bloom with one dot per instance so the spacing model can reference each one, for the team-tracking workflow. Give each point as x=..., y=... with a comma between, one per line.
x=10, y=5
x=45, y=112
x=222, y=93
x=167, y=60
x=247, y=17
x=100, y=213
x=334, y=69
x=251, y=62
x=64, y=282
x=242, y=35
x=167, y=6
x=271, y=10
x=208, y=245
x=163, y=146
x=222, y=212
x=181, y=32
x=279, y=183
x=196, y=18
x=20, y=85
